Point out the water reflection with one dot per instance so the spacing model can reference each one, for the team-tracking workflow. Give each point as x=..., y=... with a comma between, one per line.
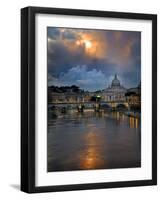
x=91, y=158
x=133, y=122
x=92, y=140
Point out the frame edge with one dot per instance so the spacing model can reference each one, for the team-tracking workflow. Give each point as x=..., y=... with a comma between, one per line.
x=27, y=101
x=24, y=100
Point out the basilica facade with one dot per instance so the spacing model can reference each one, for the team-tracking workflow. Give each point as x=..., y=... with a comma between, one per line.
x=115, y=92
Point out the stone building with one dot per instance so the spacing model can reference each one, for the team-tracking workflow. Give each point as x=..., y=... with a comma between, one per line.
x=115, y=92
x=133, y=97
x=70, y=97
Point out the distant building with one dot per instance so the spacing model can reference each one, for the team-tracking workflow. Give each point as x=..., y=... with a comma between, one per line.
x=133, y=97
x=69, y=97
x=115, y=92
x=136, y=90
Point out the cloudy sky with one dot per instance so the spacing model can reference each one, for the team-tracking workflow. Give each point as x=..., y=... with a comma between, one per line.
x=90, y=58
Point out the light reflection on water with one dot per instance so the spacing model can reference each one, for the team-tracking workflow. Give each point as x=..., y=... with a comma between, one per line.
x=92, y=140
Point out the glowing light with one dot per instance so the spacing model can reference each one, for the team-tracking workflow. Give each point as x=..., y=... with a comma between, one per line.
x=88, y=44
x=92, y=159
x=78, y=42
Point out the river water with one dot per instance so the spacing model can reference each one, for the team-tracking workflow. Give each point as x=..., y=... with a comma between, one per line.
x=89, y=140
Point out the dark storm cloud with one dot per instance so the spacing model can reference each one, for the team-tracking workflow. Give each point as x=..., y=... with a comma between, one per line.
x=100, y=54
x=61, y=59
x=68, y=35
x=53, y=33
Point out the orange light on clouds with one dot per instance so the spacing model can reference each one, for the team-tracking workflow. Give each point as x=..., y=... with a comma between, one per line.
x=88, y=44
x=78, y=42
x=92, y=44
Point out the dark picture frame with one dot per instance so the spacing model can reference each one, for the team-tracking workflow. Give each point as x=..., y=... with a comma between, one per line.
x=28, y=170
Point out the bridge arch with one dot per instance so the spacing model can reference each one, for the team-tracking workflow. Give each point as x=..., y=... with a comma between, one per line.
x=122, y=106
x=106, y=106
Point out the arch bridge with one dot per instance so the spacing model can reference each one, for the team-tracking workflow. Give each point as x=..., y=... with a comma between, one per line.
x=105, y=105
x=116, y=104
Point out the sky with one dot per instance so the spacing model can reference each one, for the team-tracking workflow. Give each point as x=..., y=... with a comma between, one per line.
x=90, y=58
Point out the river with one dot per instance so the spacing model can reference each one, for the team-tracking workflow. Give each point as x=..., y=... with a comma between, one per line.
x=89, y=140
